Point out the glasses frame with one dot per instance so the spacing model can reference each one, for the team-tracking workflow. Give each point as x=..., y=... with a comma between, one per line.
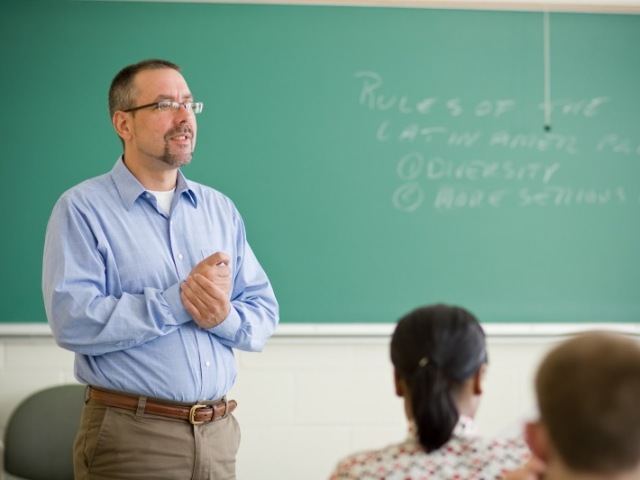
x=190, y=106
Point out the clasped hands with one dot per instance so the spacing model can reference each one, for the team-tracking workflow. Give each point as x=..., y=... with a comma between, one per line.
x=206, y=290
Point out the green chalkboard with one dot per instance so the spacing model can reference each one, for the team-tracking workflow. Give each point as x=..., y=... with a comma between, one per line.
x=381, y=157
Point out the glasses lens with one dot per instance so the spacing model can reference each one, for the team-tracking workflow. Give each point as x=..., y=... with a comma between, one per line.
x=166, y=105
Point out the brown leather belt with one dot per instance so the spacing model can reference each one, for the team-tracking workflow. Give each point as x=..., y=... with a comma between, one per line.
x=194, y=414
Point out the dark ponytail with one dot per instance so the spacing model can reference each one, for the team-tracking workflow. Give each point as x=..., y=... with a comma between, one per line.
x=434, y=349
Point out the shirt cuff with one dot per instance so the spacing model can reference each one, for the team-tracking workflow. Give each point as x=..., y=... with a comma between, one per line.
x=229, y=327
x=178, y=312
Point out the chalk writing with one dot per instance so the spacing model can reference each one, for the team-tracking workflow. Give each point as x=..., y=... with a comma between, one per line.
x=376, y=98
x=413, y=165
x=565, y=196
x=543, y=142
x=437, y=169
x=534, y=141
x=449, y=197
x=409, y=133
x=373, y=98
x=437, y=130
x=408, y=197
x=615, y=144
x=588, y=107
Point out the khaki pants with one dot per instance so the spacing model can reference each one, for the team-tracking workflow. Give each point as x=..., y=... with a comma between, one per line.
x=118, y=444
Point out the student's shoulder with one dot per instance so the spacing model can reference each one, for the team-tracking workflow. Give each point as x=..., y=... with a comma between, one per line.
x=355, y=465
x=506, y=452
x=516, y=442
x=477, y=457
x=387, y=462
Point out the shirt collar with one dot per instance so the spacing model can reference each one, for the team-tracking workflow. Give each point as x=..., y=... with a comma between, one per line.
x=465, y=427
x=130, y=188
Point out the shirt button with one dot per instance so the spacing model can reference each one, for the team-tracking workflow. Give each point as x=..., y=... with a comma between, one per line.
x=180, y=256
x=207, y=363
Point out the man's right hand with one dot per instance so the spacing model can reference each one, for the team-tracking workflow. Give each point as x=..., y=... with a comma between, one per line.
x=205, y=292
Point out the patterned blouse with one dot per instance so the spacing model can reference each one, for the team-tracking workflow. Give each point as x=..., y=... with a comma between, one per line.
x=466, y=456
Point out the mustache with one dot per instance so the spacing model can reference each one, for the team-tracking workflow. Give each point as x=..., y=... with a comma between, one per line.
x=181, y=130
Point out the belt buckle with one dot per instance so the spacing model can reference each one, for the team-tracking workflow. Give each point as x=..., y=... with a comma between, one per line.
x=192, y=414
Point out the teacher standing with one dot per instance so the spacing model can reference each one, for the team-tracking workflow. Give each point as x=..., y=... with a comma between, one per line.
x=148, y=277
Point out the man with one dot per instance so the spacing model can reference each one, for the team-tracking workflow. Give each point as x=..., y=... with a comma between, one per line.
x=149, y=279
x=588, y=392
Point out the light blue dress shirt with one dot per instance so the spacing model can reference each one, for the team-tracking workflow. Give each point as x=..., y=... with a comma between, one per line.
x=112, y=268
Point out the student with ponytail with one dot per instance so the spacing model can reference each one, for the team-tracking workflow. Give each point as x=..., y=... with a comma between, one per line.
x=439, y=357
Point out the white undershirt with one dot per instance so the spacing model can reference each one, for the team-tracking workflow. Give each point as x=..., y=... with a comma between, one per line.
x=163, y=199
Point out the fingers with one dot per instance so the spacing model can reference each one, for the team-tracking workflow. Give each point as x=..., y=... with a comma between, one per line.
x=537, y=467
x=199, y=291
x=207, y=303
x=217, y=258
x=533, y=470
x=206, y=291
x=221, y=276
x=216, y=268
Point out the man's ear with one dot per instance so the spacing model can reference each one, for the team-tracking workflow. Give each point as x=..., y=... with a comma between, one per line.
x=122, y=124
x=537, y=437
x=478, y=380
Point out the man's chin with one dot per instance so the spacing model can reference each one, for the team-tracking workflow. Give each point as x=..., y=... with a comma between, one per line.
x=183, y=162
x=177, y=160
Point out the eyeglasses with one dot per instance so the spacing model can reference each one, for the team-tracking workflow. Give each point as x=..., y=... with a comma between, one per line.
x=167, y=105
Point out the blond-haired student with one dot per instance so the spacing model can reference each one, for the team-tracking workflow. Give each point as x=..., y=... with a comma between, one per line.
x=588, y=394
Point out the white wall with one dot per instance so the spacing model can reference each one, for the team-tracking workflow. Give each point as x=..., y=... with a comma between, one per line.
x=331, y=397
x=305, y=401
